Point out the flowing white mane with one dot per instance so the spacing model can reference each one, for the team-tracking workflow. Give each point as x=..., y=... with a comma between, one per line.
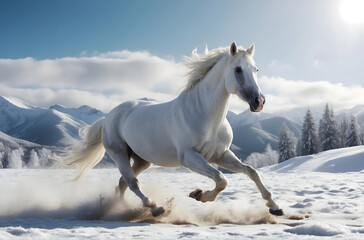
x=200, y=65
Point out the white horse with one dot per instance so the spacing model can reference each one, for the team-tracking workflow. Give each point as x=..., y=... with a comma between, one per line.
x=190, y=131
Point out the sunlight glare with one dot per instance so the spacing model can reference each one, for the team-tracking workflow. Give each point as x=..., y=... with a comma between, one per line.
x=352, y=11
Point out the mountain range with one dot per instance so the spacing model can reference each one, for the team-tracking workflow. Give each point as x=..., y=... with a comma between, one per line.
x=58, y=126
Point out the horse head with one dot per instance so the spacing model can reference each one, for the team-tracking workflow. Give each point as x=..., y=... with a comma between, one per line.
x=241, y=78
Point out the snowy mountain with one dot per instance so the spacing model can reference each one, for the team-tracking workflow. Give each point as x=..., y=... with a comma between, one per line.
x=357, y=112
x=50, y=128
x=38, y=125
x=57, y=126
x=298, y=114
x=84, y=113
x=254, y=137
x=246, y=117
x=14, y=143
x=14, y=112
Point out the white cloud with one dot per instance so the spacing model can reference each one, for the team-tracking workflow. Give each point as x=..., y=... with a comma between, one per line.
x=102, y=81
x=105, y=80
x=283, y=94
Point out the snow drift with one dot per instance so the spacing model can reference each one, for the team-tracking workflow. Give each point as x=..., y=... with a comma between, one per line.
x=334, y=161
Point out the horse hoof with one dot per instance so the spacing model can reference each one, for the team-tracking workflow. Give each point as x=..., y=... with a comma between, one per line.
x=197, y=194
x=157, y=211
x=278, y=212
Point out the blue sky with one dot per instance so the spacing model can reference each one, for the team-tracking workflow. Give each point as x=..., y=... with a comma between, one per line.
x=296, y=40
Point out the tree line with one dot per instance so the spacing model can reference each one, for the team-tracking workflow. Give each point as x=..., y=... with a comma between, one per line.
x=329, y=135
x=39, y=157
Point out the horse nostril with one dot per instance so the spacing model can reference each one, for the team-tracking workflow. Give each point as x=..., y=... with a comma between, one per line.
x=257, y=100
x=264, y=101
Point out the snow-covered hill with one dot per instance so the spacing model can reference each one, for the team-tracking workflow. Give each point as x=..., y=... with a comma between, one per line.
x=333, y=161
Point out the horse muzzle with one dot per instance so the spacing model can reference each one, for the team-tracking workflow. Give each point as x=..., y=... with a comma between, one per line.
x=256, y=104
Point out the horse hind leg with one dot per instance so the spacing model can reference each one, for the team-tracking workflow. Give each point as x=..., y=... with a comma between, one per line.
x=123, y=162
x=139, y=166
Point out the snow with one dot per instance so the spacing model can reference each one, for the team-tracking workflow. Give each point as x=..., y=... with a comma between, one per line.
x=84, y=113
x=317, y=230
x=45, y=204
x=19, y=103
x=335, y=161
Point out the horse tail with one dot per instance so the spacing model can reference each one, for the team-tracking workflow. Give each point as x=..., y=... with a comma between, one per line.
x=87, y=152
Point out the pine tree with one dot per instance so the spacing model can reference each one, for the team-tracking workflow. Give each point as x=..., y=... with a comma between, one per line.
x=286, y=145
x=15, y=158
x=353, y=134
x=328, y=131
x=2, y=154
x=309, y=138
x=343, y=128
x=1, y=159
x=258, y=160
x=33, y=160
x=44, y=154
x=298, y=148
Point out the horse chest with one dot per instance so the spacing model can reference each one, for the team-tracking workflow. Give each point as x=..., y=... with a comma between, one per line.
x=212, y=149
x=212, y=144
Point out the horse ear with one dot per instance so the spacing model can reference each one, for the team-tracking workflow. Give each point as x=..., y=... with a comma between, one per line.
x=251, y=50
x=233, y=49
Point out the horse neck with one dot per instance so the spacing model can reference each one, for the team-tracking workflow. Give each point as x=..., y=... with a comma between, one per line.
x=210, y=97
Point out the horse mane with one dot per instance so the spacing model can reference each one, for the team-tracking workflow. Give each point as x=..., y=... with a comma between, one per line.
x=200, y=65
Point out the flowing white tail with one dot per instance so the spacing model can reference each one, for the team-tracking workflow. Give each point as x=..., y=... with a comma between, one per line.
x=87, y=152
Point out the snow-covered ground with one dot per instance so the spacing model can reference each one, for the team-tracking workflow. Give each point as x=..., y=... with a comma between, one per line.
x=45, y=204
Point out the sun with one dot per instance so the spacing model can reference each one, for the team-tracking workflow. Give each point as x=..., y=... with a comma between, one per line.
x=352, y=11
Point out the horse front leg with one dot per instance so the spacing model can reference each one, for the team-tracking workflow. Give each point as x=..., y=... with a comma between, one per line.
x=231, y=162
x=196, y=162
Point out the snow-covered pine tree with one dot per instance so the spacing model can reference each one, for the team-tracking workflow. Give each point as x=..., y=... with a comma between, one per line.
x=15, y=158
x=343, y=128
x=2, y=154
x=44, y=154
x=1, y=159
x=271, y=155
x=353, y=134
x=286, y=145
x=298, y=148
x=33, y=160
x=328, y=131
x=336, y=142
x=309, y=138
x=258, y=160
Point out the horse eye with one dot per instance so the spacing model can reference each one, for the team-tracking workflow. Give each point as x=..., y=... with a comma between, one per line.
x=257, y=70
x=238, y=70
